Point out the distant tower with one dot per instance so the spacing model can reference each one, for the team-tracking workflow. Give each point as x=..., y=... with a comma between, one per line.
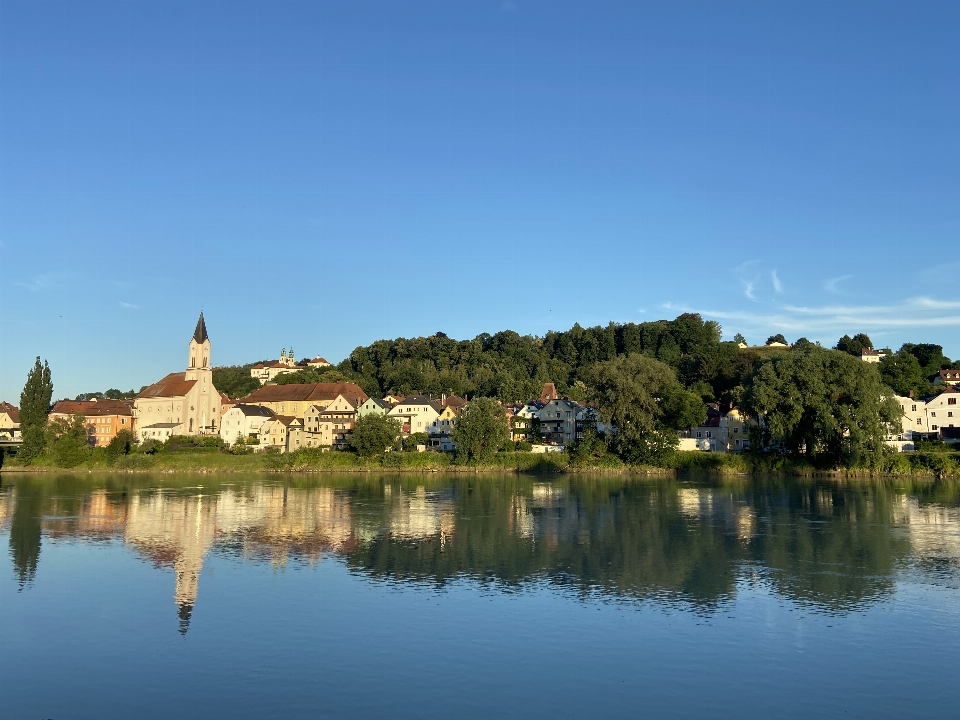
x=199, y=350
x=290, y=357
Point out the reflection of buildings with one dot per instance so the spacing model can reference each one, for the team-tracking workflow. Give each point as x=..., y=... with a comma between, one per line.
x=421, y=515
x=934, y=529
x=174, y=531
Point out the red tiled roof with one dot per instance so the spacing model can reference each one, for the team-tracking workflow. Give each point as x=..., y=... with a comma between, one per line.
x=949, y=374
x=12, y=410
x=91, y=407
x=173, y=385
x=308, y=392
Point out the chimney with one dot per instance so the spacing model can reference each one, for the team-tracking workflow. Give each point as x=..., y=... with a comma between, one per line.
x=911, y=393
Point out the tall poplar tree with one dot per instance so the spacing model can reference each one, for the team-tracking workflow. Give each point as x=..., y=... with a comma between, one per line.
x=34, y=409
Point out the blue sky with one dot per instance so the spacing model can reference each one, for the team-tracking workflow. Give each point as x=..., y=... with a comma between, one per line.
x=325, y=174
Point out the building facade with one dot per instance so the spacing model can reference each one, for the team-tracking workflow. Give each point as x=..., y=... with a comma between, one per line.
x=103, y=419
x=182, y=403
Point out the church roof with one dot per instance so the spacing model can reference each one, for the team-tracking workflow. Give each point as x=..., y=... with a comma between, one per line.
x=173, y=385
x=200, y=334
x=307, y=391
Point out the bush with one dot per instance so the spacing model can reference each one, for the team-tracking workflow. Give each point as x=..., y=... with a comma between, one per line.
x=67, y=442
x=523, y=446
x=121, y=445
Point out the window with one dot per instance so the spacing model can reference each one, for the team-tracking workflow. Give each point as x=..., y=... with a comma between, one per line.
x=933, y=414
x=913, y=408
x=949, y=414
x=699, y=434
x=708, y=434
x=951, y=401
x=933, y=427
x=738, y=442
x=736, y=430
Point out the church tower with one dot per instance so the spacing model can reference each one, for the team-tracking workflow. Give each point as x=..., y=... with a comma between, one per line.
x=199, y=351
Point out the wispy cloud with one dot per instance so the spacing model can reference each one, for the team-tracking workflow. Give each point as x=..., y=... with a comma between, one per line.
x=805, y=320
x=41, y=281
x=775, y=279
x=748, y=289
x=831, y=284
x=129, y=306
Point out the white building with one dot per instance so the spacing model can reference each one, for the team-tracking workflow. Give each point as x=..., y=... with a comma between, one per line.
x=869, y=355
x=183, y=403
x=947, y=377
x=943, y=410
x=266, y=372
x=243, y=421
x=415, y=413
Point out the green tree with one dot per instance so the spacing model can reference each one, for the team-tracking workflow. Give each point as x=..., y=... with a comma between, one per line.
x=930, y=356
x=34, y=410
x=235, y=381
x=641, y=398
x=411, y=441
x=902, y=372
x=67, y=441
x=778, y=338
x=120, y=445
x=373, y=434
x=739, y=338
x=854, y=345
x=821, y=402
x=480, y=431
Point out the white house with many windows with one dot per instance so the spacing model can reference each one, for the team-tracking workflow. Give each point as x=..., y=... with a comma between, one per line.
x=416, y=413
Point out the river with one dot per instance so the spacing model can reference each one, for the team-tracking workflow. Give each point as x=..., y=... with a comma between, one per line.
x=477, y=596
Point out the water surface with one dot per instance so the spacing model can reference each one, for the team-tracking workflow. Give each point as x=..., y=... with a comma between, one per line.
x=433, y=596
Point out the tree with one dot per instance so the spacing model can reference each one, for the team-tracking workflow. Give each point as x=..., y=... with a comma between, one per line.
x=411, y=441
x=930, y=356
x=902, y=373
x=373, y=434
x=34, y=410
x=121, y=444
x=739, y=339
x=235, y=380
x=778, y=338
x=641, y=398
x=821, y=402
x=854, y=345
x=68, y=441
x=480, y=431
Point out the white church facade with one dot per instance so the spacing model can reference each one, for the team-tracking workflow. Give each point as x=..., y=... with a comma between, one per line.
x=182, y=403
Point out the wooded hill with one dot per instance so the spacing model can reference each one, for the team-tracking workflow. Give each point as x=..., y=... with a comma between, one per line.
x=513, y=367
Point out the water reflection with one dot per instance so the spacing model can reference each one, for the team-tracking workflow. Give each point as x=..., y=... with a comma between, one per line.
x=830, y=546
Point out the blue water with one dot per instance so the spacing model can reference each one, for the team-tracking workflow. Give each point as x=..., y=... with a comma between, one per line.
x=508, y=597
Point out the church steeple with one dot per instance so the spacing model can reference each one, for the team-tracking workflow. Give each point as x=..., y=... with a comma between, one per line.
x=200, y=334
x=199, y=350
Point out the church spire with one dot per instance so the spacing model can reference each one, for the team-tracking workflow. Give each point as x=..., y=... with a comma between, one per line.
x=200, y=334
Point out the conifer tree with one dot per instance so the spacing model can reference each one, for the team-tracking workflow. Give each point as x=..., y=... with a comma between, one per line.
x=34, y=409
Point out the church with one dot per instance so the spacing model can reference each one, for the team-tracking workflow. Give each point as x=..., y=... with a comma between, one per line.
x=182, y=403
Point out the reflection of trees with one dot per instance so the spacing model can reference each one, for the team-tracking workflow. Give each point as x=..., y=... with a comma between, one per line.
x=834, y=546
x=25, y=531
x=831, y=546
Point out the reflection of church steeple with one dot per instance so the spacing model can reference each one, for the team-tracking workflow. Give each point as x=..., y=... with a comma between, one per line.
x=183, y=611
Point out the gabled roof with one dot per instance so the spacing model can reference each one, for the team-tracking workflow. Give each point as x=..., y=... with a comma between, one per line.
x=307, y=392
x=453, y=401
x=317, y=359
x=91, y=407
x=12, y=410
x=417, y=400
x=173, y=385
x=949, y=374
x=253, y=410
x=200, y=334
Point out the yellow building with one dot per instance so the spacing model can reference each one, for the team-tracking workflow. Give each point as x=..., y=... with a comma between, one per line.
x=295, y=400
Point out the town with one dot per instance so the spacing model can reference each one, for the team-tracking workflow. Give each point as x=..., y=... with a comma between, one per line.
x=283, y=417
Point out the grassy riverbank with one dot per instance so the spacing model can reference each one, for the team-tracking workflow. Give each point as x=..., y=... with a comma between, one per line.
x=942, y=464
